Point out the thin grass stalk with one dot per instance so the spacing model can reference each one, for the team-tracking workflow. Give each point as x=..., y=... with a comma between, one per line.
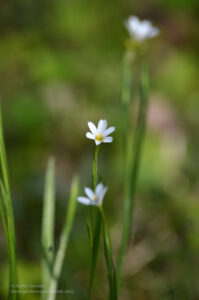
x=133, y=169
x=7, y=202
x=109, y=260
x=126, y=94
x=90, y=215
x=95, y=249
x=94, y=170
x=64, y=239
x=96, y=225
x=2, y=214
x=47, y=236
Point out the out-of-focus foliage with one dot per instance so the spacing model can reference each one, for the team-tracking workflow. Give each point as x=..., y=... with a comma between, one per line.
x=60, y=65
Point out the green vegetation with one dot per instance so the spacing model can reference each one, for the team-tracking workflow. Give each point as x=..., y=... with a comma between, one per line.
x=61, y=64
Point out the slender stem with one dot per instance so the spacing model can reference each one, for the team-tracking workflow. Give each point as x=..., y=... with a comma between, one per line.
x=94, y=171
x=109, y=259
x=132, y=169
x=126, y=94
x=94, y=180
x=95, y=249
x=94, y=223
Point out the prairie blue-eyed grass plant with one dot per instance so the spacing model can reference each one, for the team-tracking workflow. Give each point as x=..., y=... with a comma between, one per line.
x=100, y=135
x=52, y=261
x=7, y=217
x=139, y=32
x=95, y=217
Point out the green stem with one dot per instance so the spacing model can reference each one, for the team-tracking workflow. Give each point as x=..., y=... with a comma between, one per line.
x=132, y=169
x=94, y=225
x=94, y=171
x=126, y=94
x=95, y=249
x=109, y=259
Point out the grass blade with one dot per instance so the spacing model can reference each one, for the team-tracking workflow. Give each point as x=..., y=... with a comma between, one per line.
x=132, y=168
x=9, y=217
x=2, y=212
x=47, y=236
x=95, y=249
x=65, y=235
x=109, y=260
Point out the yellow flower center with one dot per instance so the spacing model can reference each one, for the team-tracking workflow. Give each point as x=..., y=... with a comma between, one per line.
x=99, y=137
x=94, y=197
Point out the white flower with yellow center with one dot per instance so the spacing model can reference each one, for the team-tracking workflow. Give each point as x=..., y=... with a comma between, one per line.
x=140, y=30
x=100, y=133
x=94, y=197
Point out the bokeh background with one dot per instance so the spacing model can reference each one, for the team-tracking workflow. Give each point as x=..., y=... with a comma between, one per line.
x=60, y=66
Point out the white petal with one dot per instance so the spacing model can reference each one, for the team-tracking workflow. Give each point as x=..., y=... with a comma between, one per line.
x=101, y=197
x=92, y=128
x=84, y=200
x=104, y=192
x=108, y=139
x=154, y=32
x=97, y=142
x=108, y=131
x=89, y=135
x=89, y=193
x=99, y=189
x=99, y=201
x=132, y=24
x=102, y=124
x=100, y=192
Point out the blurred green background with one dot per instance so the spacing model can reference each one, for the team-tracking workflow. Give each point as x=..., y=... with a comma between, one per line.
x=60, y=66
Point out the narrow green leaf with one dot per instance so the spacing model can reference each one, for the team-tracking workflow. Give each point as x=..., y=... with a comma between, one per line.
x=64, y=238
x=95, y=249
x=47, y=235
x=8, y=216
x=3, y=159
x=3, y=218
x=89, y=228
x=109, y=260
x=132, y=164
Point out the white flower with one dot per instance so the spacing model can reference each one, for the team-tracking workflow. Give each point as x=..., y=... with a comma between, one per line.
x=140, y=30
x=93, y=197
x=100, y=134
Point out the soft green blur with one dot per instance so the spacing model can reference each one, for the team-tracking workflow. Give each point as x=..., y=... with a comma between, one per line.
x=60, y=66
